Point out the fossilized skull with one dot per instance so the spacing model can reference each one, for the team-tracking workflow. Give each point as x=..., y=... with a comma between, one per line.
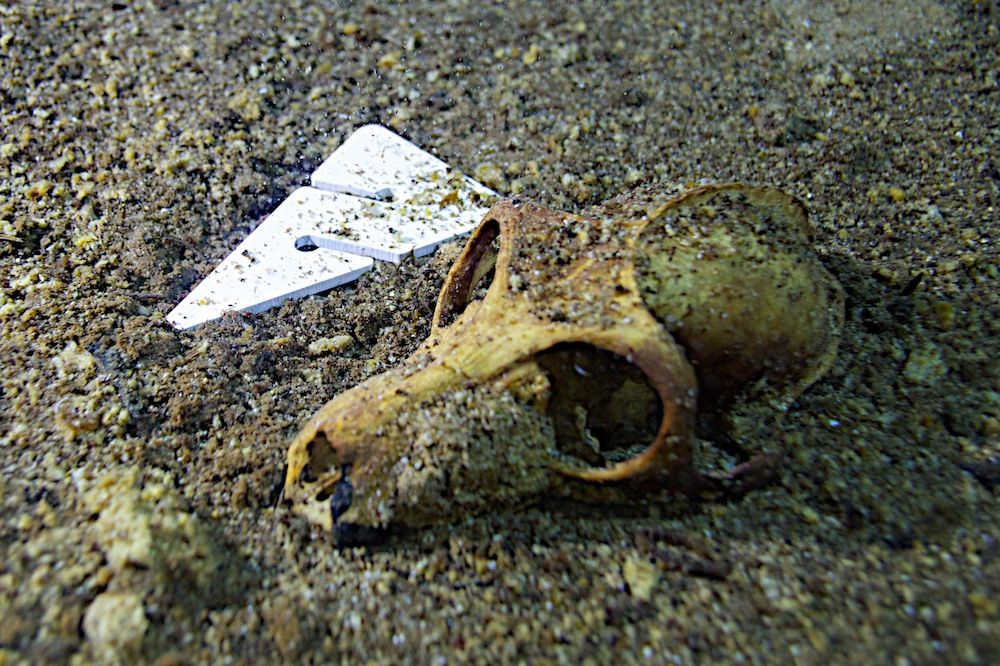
x=569, y=355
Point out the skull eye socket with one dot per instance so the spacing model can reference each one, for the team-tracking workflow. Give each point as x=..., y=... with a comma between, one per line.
x=471, y=276
x=603, y=408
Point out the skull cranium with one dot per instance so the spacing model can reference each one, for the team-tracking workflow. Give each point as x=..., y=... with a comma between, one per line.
x=570, y=355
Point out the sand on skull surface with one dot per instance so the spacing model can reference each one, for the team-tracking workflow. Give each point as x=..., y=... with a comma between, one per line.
x=141, y=466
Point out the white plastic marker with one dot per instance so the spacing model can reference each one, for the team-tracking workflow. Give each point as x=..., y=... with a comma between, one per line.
x=377, y=196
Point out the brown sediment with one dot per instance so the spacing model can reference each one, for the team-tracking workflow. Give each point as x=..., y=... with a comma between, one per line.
x=141, y=466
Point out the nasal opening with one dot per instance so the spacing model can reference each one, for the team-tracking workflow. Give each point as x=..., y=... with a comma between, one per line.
x=322, y=462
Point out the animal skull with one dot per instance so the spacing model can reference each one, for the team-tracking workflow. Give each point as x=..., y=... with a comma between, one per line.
x=569, y=355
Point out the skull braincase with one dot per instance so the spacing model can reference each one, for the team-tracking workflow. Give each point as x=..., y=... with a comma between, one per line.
x=570, y=354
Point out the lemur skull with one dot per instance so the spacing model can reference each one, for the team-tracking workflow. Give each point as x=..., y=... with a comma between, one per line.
x=569, y=355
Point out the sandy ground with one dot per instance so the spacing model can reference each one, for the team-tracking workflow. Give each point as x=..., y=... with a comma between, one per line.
x=142, y=141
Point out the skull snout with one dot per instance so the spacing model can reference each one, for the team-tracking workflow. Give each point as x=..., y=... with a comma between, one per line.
x=322, y=490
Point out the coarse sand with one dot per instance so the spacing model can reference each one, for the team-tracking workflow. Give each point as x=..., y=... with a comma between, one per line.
x=141, y=141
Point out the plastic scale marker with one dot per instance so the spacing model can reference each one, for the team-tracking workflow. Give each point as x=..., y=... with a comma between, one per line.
x=377, y=196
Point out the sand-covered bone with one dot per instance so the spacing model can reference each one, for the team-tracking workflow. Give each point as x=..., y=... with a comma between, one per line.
x=730, y=273
x=566, y=357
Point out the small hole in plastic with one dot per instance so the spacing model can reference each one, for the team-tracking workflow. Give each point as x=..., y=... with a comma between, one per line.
x=306, y=244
